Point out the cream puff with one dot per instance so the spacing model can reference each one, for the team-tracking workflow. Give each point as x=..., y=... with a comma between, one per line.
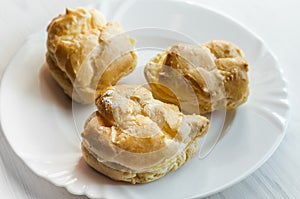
x=86, y=53
x=205, y=77
x=137, y=139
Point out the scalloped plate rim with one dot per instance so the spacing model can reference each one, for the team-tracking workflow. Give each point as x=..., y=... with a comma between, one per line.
x=217, y=189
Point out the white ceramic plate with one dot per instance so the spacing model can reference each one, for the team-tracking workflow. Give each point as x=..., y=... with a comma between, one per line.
x=38, y=121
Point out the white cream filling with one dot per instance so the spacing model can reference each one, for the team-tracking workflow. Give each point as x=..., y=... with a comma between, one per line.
x=127, y=161
x=103, y=149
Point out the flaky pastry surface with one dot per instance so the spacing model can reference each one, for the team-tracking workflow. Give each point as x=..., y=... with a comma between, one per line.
x=135, y=138
x=86, y=53
x=208, y=77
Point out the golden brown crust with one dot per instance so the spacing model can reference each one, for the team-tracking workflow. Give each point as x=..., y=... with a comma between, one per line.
x=232, y=64
x=141, y=124
x=231, y=77
x=59, y=76
x=83, y=53
x=224, y=49
x=146, y=176
x=135, y=138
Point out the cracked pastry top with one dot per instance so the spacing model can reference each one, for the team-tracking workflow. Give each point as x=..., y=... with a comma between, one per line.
x=206, y=77
x=135, y=138
x=86, y=53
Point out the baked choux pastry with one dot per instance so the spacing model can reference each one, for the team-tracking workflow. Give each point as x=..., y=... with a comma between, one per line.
x=85, y=53
x=208, y=77
x=137, y=139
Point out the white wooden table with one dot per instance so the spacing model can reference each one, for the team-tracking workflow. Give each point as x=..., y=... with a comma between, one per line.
x=277, y=22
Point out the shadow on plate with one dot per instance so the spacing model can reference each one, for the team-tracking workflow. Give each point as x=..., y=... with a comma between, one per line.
x=230, y=114
x=51, y=91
